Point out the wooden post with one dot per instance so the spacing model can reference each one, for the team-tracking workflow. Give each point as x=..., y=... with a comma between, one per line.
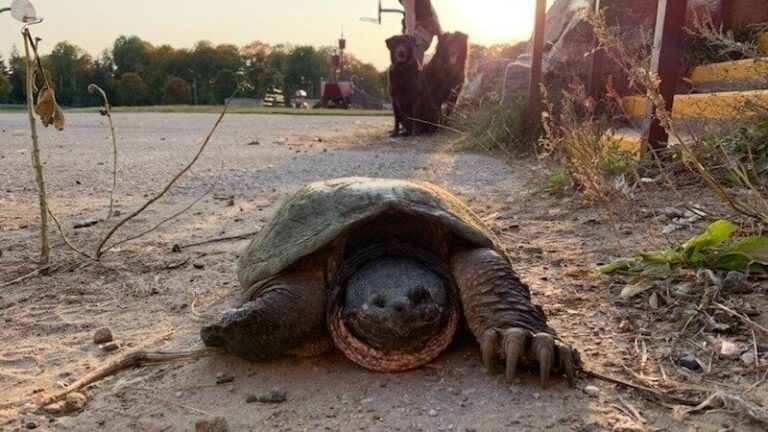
x=596, y=66
x=666, y=61
x=534, y=94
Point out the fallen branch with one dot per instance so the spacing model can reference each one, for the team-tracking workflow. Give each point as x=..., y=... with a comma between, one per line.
x=742, y=317
x=657, y=394
x=132, y=360
x=244, y=236
x=100, y=248
x=22, y=278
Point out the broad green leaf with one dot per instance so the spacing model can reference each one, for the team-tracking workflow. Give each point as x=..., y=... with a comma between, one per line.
x=669, y=256
x=716, y=233
x=621, y=264
x=755, y=247
x=632, y=290
x=656, y=270
x=729, y=260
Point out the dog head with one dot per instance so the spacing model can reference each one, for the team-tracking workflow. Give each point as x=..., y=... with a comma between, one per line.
x=401, y=49
x=454, y=48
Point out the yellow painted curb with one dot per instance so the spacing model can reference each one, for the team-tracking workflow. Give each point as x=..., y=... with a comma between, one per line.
x=735, y=104
x=737, y=69
x=762, y=42
x=628, y=140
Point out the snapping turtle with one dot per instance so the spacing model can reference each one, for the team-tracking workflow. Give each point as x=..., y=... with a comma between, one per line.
x=385, y=270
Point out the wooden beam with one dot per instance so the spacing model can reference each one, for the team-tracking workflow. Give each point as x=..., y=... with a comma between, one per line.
x=534, y=94
x=666, y=61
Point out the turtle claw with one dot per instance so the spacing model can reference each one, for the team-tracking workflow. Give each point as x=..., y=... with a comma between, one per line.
x=567, y=361
x=543, y=346
x=489, y=343
x=514, y=345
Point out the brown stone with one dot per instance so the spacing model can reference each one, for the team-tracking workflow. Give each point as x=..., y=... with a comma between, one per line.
x=216, y=424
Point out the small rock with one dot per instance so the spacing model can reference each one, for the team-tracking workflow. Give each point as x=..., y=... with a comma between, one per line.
x=274, y=395
x=432, y=413
x=748, y=359
x=689, y=362
x=223, y=378
x=176, y=248
x=731, y=350
x=112, y=346
x=737, y=282
x=591, y=391
x=74, y=402
x=102, y=335
x=231, y=202
x=537, y=396
x=178, y=394
x=198, y=265
x=31, y=424
x=254, y=142
x=217, y=424
x=653, y=301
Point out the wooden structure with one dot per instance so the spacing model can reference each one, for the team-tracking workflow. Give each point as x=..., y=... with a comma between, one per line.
x=667, y=51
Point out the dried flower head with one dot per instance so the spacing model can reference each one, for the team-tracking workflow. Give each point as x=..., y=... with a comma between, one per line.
x=22, y=10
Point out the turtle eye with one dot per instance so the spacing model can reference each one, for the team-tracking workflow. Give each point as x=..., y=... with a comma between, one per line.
x=378, y=301
x=419, y=295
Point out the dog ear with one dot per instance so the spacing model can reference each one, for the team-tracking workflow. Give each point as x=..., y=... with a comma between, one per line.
x=390, y=41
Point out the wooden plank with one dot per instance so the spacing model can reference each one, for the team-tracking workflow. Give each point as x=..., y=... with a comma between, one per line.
x=534, y=94
x=666, y=61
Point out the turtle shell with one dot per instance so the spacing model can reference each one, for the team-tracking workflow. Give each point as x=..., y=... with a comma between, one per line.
x=320, y=212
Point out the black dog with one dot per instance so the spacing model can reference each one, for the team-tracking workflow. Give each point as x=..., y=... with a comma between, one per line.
x=445, y=74
x=405, y=83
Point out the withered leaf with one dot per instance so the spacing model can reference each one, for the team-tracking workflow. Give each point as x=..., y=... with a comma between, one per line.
x=48, y=110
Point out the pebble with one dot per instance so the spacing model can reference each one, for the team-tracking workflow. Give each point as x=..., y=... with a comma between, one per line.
x=73, y=403
x=689, y=362
x=31, y=425
x=216, y=424
x=112, y=346
x=254, y=142
x=730, y=349
x=223, y=378
x=592, y=391
x=432, y=413
x=102, y=335
x=274, y=395
x=537, y=396
x=748, y=359
x=198, y=265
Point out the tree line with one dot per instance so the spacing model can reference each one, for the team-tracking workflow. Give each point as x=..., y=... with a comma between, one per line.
x=135, y=72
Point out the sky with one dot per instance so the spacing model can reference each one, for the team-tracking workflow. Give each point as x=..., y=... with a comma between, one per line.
x=94, y=24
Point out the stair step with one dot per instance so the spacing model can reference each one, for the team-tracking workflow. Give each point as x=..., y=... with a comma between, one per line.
x=762, y=42
x=735, y=69
x=733, y=104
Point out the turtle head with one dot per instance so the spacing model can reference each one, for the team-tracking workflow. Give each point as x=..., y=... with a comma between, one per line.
x=395, y=304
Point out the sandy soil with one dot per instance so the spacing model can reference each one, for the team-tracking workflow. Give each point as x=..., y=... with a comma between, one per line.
x=153, y=298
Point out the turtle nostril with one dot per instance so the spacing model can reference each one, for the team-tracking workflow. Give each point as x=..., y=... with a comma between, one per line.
x=378, y=301
x=419, y=295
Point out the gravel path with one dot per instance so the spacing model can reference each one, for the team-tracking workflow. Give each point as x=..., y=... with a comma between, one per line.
x=154, y=299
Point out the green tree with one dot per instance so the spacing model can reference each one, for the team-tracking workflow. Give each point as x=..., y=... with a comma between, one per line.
x=130, y=54
x=5, y=87
x=224, y=85
x=176, y=91
x=104, y=75
x=131, y=90
x=254, y=56
x=70, y=70
x=17, y=77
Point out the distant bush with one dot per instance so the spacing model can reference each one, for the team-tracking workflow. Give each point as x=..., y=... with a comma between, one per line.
x=131, y=89
x=176, y=91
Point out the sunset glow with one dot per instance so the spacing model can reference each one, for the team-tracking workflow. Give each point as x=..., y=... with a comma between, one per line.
x=490, y=21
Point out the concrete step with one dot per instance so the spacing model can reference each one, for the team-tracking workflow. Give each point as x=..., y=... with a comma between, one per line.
x=718, y=105
x=762, y=42
x=750, y=74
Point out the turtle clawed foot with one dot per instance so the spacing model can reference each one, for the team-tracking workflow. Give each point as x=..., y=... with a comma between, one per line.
x=516, y=346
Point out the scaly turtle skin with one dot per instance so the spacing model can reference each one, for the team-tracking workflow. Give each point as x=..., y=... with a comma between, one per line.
x=387, y=269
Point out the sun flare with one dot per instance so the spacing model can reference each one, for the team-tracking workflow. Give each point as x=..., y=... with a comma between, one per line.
x=492, y=21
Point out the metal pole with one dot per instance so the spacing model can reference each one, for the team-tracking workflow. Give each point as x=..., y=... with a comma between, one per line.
x=534, y=94
x=666, y=62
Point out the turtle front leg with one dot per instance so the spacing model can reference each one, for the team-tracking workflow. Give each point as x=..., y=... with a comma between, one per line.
x=285, y=316
x=500, y=314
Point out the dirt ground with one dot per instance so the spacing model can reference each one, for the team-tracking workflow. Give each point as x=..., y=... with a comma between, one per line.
x=155, y=299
